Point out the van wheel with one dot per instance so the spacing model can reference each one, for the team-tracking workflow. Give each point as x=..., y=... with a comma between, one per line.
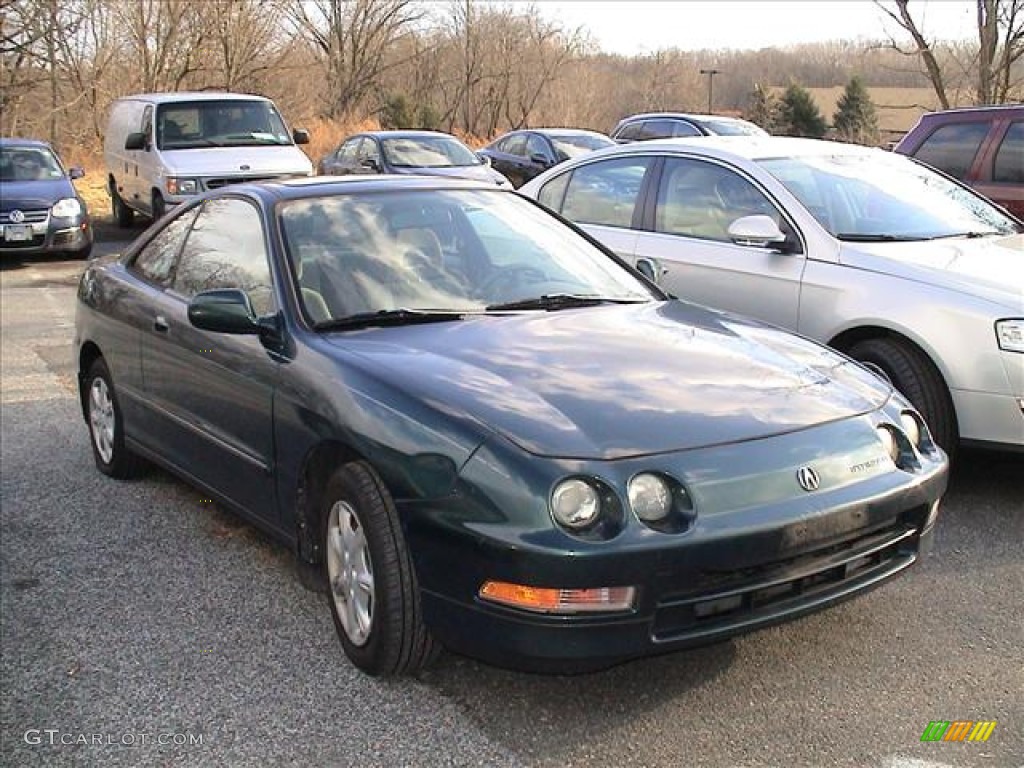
x=913, y=374
x=159, y=207
x=123, y=215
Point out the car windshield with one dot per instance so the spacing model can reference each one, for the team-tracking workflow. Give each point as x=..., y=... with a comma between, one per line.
x=28, y=164
x=573, y=144
x=228, y=123
x=733, y=128
x=428, y=152
x=880, y=196
x=462, y=251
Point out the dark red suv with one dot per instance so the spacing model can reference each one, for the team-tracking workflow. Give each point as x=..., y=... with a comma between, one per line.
x=981, y=146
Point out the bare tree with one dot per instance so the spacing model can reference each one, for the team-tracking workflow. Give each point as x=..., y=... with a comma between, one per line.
x=243, y=42
x=163, y=41
x=993, y=62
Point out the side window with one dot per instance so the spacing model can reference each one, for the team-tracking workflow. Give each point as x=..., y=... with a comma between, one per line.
x=683, y=128
x=1009, y=164
x=368, y=152
x=155, y=261
x=630, y=132
x=147, y=124
x=605, y=192
x=515, y=145
x=535, y=145
x=952, y=147
x=348, y=149
x=225, y=249
x=657, y=129
x=552, y=193
x=700, y=199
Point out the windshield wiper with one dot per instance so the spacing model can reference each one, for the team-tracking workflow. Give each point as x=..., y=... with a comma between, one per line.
x=401, y=316
x=554, y=301
x=967, y=235
x=854, y=237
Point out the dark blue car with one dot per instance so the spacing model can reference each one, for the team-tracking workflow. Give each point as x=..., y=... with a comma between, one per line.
x=488, y=433
x=40, y=211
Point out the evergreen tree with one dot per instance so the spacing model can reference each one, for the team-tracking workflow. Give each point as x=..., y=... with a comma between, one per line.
x=799, y=115
x=855, y=119
x=763, y=108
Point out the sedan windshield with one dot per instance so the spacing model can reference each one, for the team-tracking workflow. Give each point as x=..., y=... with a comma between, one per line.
x=28, y=164
x=234, y=123
x=428, y=152
x=884, y=197
x=412, y=256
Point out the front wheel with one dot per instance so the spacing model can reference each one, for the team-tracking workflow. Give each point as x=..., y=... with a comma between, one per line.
x=123, y=215
x=913, y=374
x=372, y=589
x=106, y=426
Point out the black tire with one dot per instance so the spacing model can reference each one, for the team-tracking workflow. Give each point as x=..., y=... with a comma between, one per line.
x=123, y=215
x=913, y=374
x=158, y=206
x=393, y=639
x=106, y=425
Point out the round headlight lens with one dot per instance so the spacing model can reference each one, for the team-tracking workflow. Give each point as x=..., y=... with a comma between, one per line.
x=650, y=497
x=575, y=503
x=889, y=441
x=67, y=208
x=912, y=428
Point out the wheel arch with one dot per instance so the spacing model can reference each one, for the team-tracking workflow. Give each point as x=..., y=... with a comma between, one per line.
x=845, y=340
x=87, y=355
x=317, y=467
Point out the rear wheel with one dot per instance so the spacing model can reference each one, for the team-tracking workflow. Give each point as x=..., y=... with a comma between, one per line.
x=106, y=426
x=372, y=589
x=123, y=215
x=913, y=374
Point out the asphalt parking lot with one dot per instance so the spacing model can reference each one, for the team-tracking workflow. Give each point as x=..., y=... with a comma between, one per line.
x=144, y=626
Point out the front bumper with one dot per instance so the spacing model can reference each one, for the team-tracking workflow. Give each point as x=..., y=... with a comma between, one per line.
x=730, y=574
x=48, y=236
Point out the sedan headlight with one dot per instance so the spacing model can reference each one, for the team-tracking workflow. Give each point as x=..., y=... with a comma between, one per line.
x=1010, y=335
x=575, y=503
x=176, y=186
x=650, y=497
x=885, y=434
x=911, y=428
x=67, y=208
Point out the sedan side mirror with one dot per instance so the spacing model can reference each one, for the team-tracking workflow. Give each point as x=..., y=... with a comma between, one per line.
x=76, y=173
x=227, y=310
x=300, y=136
x=371, y=163
x=757, y=231
x=650, y=269
x=540, y=159
x=483, y=158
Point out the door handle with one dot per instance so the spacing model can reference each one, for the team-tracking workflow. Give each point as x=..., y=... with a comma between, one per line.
x=160, y=324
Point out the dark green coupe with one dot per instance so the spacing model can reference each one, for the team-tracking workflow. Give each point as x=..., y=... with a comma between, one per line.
x=489, y=433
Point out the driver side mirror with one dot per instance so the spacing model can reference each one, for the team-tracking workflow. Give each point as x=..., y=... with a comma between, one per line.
x=757, y=231
x=300, y=136
x=76, y=173
x=650, y=269
x=541, y=159
x=135, y=140
x=371, y=163
x=483, y=159
x=227, y=310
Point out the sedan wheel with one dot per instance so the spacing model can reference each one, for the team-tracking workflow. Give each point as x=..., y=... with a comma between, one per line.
x=105, y=425
x=373, y=593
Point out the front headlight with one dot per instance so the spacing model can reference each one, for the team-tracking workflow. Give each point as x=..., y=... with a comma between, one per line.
x=67, y=208
x=650, y=497
x=912, y=428
x=176, y=186
x=885, y=434
x=1010, y=334
x=575, y=503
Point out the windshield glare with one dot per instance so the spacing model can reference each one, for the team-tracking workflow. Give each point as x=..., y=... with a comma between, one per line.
x=234, y=123
x=884, y=196
x=461, y=250
x=429, y=152
x=734, y=128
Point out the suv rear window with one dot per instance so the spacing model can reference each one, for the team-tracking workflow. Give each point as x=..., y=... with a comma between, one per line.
x=1009, y=164
x=952, y=147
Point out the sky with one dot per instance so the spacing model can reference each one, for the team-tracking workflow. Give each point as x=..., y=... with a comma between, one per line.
x=633, y=27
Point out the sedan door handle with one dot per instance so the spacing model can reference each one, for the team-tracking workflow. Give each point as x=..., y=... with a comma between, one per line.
x=160, y=324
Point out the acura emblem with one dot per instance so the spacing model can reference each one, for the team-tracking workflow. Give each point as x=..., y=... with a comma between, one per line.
x=17, y=216
x=808, y=479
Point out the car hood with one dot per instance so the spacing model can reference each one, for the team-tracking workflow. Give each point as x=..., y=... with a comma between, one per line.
x=473, y=172
x=618, y=380
x=29, y=195
x=990, y=268
x=219, y=161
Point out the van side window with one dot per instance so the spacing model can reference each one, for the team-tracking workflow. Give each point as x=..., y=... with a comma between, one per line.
x=952, y=147
x=1009, y=164
x=147, y=124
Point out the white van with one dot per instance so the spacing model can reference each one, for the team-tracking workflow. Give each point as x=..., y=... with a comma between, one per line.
x=164, y=148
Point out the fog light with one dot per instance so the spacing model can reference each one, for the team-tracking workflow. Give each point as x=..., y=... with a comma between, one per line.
x=575, y=503
x=547, y=600
x=650, y=497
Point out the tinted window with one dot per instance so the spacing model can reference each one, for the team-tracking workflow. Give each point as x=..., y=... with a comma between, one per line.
x=700, y=199
x=514, y=145
x=658, y=129
x=952, y=147
x=225, y=249
x=154, y=262
x=1009, y=165
x=535, y=145
x=630, y=132
x=605, y=192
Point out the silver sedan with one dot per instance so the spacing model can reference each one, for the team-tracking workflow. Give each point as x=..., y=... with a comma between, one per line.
x=898, y=266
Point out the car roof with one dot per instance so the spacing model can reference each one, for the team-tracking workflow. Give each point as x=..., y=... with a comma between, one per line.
x=12, y=142
x=731, y=147
x=167, y=98
x=993, y=109
x=314, y=186
x=681, y=116
x=404, y=134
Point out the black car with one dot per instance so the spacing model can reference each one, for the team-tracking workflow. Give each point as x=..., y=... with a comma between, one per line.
x=40, y=211
x=521, y=155
x=667, y=125
x=489, y=433
x=412, y=153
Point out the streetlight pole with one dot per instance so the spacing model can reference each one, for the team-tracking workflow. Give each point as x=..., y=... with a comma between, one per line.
x=711, y=84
